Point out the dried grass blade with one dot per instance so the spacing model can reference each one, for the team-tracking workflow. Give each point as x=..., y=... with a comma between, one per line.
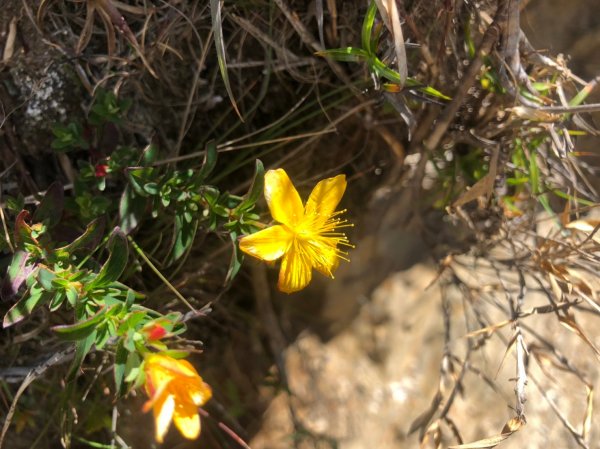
x=423, y=420
x=86, y=32
x=215, y=12
x=319, y=14
x=509, y=347
x=9, y=47
x=392, y=8
x=111, y=39
x=569, y=323
x=483, y=187
x=115, y=17
x=513, y=425
x=589, y=411
x=488, y=329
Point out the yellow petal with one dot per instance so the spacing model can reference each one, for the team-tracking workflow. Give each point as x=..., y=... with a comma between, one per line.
x=282, y=197
x=163, y=413
x=325, y=197
x=200, y=394
x=187, y=420
x=268, y=244
x=296, y=270
x=182, y=367
x=157, y=379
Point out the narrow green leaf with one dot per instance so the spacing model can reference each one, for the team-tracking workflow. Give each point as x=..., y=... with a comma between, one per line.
x=151, y=188
x=237, y=257
x=82, y=347
x=90, y=238
x=132, y=366
x=18, y=271
x=115, y=264
x=215, y=12
x=348, y=54
x=184, y=234
x=31, y=300
x=534, y=174
x=57, y=300
x=131, y=209
x=45, y=278
x=367, y=28
x=210, y=160
x=140, y=177
x=130, y=298
x=382, y=70
x=150, y=154
x=81, y=329
x=256, y=189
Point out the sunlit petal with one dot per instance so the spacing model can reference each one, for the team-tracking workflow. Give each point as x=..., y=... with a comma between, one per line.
x=200, y=393
x=176, y=390
x=163, y=413
x=296, y=270
x=268, y=244
x=187, y=420
x=154, y=393
x=282, y=197
x=325, y=197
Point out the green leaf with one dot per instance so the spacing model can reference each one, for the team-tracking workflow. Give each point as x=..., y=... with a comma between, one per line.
x=68, y=137
x=382, y=70
x=131, y=209
x=534, y=174
x=151, y=188
x=215, y=13
x=129, y=340
x=31, y=300
x=18, y=271
x=184, y=234
x=348, y=54
x=51, y=206
x=89, y=239
x=257, y=187
x=57, y=301
x=132, y=366
x=81, y=329
x=150, y=154
x=72, y=295
x=115, y=264
x=129, y=300
x=105, y=331
x=140, y=177
x=210, y=160
x=82, y=347
x=45, y=278
x=367, y=28
x=237, y=257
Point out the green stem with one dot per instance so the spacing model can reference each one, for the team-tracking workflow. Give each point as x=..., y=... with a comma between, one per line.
x=160, y=275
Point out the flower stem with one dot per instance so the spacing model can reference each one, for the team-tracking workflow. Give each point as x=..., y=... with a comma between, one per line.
x=141, y=253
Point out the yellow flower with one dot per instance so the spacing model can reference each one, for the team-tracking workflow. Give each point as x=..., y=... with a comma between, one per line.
x=307, y=237
x=176, y=390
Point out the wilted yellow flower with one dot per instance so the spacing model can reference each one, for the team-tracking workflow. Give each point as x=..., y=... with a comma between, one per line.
x=307, y=237
x=176, y=390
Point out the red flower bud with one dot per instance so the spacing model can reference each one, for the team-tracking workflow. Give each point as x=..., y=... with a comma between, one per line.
x=101, y=170
x=155, y=332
